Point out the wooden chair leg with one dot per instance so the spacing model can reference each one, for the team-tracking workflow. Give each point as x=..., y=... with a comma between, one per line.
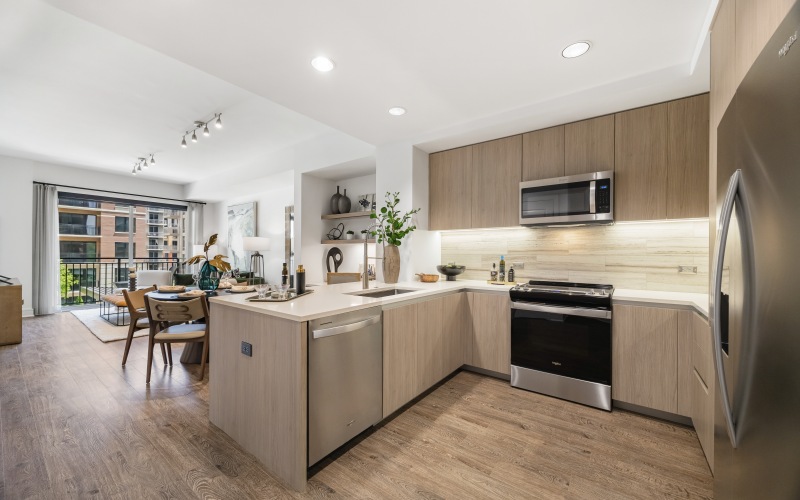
x=150, y=348
x=163, y=353
x=203, y=359
x=169, y=353
x=131, y=330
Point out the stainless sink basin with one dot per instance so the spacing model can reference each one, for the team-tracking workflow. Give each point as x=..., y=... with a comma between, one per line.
x=383, y=292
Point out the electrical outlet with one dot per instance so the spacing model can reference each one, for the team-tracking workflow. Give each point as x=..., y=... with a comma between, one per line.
x=518, y=265
x=687, y=269
x=247, y=349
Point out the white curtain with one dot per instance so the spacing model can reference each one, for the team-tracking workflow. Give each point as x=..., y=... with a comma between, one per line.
x=194, y=227
x=46, y=298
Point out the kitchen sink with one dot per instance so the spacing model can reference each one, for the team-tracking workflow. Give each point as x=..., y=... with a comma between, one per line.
x=383, y=292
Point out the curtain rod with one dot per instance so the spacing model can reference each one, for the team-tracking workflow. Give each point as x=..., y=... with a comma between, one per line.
x=117, y=192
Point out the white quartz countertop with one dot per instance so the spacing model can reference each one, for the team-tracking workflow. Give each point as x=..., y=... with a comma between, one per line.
x=328, y=300
x=695, y=301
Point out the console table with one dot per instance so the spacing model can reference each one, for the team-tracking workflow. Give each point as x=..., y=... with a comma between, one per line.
x=11, y=312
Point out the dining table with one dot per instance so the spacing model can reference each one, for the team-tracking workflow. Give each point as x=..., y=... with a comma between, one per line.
x=193, y=351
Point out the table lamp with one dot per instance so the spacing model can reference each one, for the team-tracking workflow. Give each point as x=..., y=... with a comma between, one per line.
x=254, y=244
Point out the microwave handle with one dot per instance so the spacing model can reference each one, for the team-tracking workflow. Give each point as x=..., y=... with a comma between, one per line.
x=592, y=206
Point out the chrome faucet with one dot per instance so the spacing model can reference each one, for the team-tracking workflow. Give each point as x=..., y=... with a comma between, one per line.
x=365, y=275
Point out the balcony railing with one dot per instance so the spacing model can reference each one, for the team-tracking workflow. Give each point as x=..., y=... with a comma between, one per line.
x=78, y=229
x=155, y=247
x=86, y=280
x=155, y=234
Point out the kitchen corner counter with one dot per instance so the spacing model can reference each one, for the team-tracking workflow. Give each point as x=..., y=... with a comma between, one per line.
x=328, y=300
x=697, y=302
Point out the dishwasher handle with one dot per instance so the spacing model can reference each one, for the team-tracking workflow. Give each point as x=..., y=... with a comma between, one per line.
x=351, y=327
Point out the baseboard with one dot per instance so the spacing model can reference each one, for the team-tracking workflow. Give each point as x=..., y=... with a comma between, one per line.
x=650, y=412
x=27, y=312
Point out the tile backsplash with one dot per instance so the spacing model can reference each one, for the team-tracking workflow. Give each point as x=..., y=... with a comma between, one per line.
x=642, y=256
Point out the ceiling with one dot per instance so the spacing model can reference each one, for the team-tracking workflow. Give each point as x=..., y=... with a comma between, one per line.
x=121, y=79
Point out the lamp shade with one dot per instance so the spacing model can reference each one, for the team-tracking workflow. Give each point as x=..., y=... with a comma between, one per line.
x=255, y=243
x=198, y=250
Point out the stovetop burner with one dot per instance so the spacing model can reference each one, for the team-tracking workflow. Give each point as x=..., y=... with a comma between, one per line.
x=563, y=292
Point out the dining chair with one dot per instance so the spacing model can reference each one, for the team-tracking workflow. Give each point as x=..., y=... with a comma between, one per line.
x=134, y=301
x=164, y=315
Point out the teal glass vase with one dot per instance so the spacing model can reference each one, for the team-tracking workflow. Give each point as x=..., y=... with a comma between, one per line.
x=209, y=277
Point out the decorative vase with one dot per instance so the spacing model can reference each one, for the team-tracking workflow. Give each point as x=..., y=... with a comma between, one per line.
x=391, y=263
x=335, y=202
x=209, y=277
x=348, y=236
x=344, y=203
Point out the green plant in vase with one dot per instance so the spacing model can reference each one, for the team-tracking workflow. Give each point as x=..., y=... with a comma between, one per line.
x=391, y=227
x=211, y=268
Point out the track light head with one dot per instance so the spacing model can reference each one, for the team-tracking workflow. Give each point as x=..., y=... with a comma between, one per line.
x=152, y=160
x=183, y=141
x=133, y=172
x=205, y=130
x=218, y=123
x=194, y=136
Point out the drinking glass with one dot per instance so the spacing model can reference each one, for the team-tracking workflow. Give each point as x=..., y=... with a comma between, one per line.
x=196, y=278
x=262, y=290
x=284, y=287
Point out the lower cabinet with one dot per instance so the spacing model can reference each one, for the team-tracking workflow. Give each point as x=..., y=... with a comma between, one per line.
x=400, y=382
x=491, y=331
x=703, y=385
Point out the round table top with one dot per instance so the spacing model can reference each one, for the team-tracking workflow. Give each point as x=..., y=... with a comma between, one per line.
x=177, y=296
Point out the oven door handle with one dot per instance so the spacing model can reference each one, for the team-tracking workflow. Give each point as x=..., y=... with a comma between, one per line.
x=569, y=311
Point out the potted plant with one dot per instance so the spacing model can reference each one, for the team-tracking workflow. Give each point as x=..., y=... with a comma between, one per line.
x=349, y=235
x=210, y=265
x=392, y=226
x=364, y=234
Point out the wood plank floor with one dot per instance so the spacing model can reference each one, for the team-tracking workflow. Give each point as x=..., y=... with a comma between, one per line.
x=74, y=424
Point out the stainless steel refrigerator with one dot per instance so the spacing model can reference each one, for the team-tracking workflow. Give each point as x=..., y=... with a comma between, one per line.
x=755, y=299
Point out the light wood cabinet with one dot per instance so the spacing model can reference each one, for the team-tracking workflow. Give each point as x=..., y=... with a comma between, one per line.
x=11, y=313
x=496, y=174
x=457, y=327
x=640, y=173
x=687, y=158
x=491, y=331
x=430, y=343
x=543, y=154
x=686, y=332
x=450, y=189
x=589, y=146
x=400, y=382
x=703, y=386
x=644, y=357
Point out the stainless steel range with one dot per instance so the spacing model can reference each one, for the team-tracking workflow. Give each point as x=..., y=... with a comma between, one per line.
x=561, y=340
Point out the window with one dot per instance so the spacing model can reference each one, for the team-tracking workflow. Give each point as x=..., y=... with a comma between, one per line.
x=121, y=249
x=78, y=249
x=121, y=225
x=80, y=224
x=74, y=202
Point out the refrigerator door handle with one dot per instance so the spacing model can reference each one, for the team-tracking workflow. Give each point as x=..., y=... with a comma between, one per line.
x=731, y=197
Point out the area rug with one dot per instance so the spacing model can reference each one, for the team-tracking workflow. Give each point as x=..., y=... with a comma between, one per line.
x=101, y=328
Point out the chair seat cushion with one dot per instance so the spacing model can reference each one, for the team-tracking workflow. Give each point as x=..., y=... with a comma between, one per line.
x=182, y=332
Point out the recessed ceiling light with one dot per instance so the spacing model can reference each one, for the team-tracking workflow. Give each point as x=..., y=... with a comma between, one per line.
x=576, y=49
x=322, y=64
x=397, y=111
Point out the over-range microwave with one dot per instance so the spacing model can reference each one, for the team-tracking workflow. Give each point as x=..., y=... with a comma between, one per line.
x=571, y=200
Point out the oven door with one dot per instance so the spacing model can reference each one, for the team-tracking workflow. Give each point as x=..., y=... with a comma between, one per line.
x=567, y=200
x=572, y=342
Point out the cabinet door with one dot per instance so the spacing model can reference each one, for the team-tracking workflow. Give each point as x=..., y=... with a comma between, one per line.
x=399, y=357
x=430, y=344
x=704, y=382
x=685, y=367
x=491, y=328
x=645, y=346
x=450, y=189
x=589, y=146
x=496, y=174
x=457, y=332
x=687, y=160
x=543, y=154
x=640, y=171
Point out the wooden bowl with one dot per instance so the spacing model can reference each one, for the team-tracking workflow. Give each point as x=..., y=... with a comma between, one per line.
x=428, y=278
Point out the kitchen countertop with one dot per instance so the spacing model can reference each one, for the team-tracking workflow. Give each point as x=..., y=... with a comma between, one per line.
x=327, y=300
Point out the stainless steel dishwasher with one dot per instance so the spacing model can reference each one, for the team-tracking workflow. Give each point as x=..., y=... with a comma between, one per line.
x=345, y=379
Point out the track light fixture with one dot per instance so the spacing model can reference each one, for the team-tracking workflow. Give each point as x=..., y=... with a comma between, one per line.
x=141, y=163
x=202, y=126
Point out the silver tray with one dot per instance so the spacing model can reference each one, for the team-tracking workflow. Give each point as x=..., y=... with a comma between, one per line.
x=289, y=296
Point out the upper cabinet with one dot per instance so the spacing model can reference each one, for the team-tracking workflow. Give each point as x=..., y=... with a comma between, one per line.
x=589, y=146
x=543, y=154
x=640, y=175
x=496, y=174
x=450, y=189
x=687, y=158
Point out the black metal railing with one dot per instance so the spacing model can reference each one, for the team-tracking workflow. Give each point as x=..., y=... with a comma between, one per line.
x=79, y=229
x=86, y=280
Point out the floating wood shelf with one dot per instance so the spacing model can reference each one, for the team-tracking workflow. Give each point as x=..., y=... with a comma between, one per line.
x=351, y=215
x=345, y=242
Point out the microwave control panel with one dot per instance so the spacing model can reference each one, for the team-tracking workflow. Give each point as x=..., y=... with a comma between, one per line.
x=603, y=196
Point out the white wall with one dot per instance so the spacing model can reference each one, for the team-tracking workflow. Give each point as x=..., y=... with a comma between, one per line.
x=270, y=222
x=16, y=207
